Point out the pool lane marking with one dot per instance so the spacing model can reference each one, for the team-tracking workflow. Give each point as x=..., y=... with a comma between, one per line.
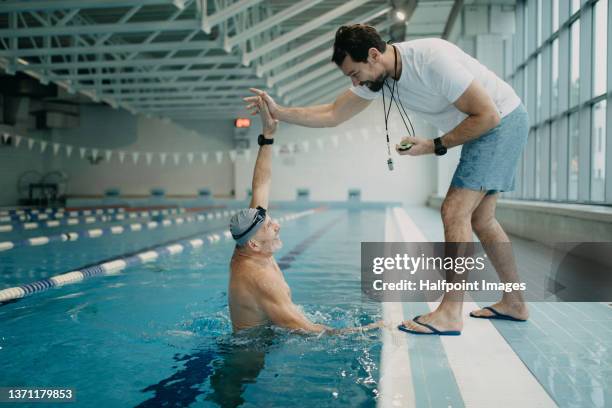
x=34, y=215
x=285, y=262
x=98, y=232
x=487, y=370
x=118, y=264
x=89, y=219
x=434, y=370
x=46, y=210
x=395, y=383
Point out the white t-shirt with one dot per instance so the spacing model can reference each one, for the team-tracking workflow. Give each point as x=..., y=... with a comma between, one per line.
x=435, y=73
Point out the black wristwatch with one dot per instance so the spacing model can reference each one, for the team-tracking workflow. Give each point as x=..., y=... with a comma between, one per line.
x=439, y=148
x=261, y=140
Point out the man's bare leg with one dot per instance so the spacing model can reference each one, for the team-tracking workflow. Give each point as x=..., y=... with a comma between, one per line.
x=457, y=210
x=490, y=232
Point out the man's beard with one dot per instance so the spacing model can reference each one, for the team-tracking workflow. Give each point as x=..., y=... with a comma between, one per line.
x=377, y=85
x=275, y=245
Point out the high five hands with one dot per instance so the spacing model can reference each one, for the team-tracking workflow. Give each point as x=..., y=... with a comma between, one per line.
x=252, y=102
x=269, y=115
x=268, y=123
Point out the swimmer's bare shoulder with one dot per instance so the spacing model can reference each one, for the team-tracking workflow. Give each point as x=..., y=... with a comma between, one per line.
x=243, y=305
x=261, y=289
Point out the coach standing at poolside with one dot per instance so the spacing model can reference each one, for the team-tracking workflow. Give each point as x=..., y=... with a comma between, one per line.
x=463, y=99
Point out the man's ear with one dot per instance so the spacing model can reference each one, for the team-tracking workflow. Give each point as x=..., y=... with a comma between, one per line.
x=373, y=55
x=253, y=245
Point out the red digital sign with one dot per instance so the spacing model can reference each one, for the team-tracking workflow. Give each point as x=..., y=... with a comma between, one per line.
x=241, y=123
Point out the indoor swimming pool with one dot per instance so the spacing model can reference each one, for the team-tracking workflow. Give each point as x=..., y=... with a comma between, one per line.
x=159, y=334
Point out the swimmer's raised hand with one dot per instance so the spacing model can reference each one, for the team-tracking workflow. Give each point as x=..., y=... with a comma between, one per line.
x=252, y=102
x=268, y=123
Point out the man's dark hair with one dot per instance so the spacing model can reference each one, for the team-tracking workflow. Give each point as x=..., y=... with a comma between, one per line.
x=355, y=40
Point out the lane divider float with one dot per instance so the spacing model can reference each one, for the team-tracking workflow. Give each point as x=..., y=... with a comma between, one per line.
x=117, y=265
x=98, y=232
x=71, y=218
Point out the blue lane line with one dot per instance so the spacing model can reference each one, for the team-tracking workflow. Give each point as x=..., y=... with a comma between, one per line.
x=434, y=381
x=285, y=262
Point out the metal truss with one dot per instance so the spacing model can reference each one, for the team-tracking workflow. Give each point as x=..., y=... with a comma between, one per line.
x=183, y=59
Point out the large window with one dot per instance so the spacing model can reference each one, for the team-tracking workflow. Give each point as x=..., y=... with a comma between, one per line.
x=574, y=150
x=539, y=88
x=600, y=47
x=598, y=152
x=554, y=98
x=555, y=15
x=539, y=23
x=574, y=89
x=554, y=152
x=561, y=74
x=526, y=30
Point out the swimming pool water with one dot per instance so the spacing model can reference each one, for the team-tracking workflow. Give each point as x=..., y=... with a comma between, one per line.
x=159, y=334
x=25, y=264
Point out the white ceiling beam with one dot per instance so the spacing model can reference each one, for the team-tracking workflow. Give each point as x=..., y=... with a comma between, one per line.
x=189, y=108
x=112, y=49
x=311, y=76
x=274, y=20
x=188, y=102
x=320, y=94
x=44, y=5
x=178, y=85
x=208, y=22
x=204, y=117
x=303, y=29
x=208, y=114
x=136, y=96
x=322, y=39
x=320, y=83
x=157, y=74
x=140, y=27
x=307, y=63
x=216, y=59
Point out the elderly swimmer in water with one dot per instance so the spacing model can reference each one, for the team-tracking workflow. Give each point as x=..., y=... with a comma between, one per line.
x=258, y=293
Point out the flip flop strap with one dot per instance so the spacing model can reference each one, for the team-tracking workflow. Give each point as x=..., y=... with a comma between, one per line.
x=430, y=327
x=495, y=312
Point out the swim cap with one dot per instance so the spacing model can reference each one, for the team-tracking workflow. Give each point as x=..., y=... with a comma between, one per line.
x=245, y=224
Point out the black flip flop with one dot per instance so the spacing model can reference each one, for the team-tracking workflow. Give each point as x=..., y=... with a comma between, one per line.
x=497, y=315
x=434, y=331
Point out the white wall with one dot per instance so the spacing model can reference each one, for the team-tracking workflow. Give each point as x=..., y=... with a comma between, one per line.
x=360, y=163
x=146, y=135
x=106, y=128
